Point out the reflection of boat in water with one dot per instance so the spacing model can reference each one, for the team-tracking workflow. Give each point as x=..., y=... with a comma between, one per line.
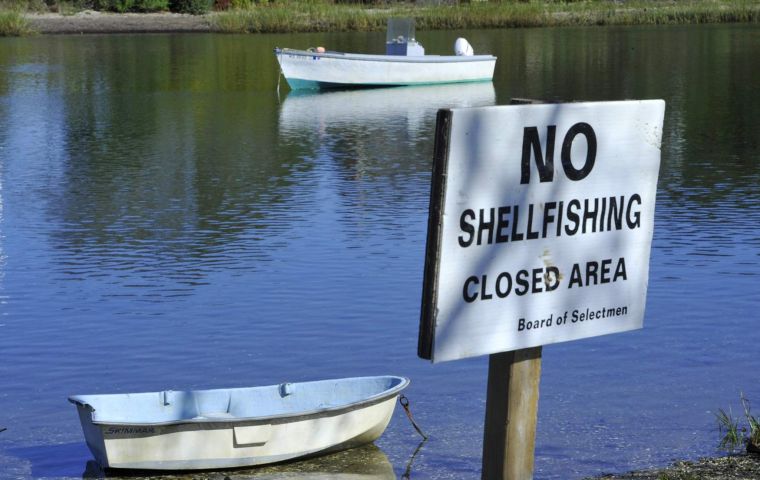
x=363, y=463
x=225, y=428
x=382, y=106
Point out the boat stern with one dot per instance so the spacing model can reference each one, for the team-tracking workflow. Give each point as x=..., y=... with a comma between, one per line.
x=93, y=435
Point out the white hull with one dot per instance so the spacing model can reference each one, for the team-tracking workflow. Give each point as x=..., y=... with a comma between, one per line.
x=220, y=434
x=367, y=462
x=303, y=69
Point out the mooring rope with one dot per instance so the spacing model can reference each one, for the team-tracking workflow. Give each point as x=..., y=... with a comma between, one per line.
x=408, y=471
x=279, y=77
x=405, y=403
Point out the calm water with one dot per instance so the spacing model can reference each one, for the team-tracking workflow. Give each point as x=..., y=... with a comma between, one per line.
x=166, y=222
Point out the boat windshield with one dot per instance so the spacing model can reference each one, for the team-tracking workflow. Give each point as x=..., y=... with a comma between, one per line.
x=400, y=30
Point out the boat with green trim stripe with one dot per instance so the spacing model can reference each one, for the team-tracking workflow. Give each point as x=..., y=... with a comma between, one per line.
x=404, y=63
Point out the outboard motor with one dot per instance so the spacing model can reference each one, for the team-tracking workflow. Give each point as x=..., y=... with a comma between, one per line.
x=463, y=48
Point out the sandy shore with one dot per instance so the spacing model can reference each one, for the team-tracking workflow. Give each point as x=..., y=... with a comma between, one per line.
x=740, y=467
x=89, y=21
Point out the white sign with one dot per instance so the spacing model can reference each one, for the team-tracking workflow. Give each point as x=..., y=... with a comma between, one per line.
x=540, y=225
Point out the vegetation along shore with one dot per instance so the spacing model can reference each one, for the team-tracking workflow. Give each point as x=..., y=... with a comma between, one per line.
x=734, y=467
x=22, y=17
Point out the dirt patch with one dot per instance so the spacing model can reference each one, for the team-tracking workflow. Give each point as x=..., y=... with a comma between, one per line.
x=89, y=21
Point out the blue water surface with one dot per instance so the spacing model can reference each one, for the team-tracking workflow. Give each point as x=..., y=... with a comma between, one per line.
x=167, y=221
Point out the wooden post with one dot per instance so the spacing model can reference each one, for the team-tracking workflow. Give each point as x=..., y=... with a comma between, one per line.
x=509, y=433
x=509, y=438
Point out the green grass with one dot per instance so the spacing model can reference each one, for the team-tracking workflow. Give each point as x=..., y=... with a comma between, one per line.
x=13, y=24
x=753, y=436
x=324, y=15
x=307, y=17
x=731, y=435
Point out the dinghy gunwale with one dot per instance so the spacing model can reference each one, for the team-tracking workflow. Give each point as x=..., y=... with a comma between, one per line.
x=403, y=382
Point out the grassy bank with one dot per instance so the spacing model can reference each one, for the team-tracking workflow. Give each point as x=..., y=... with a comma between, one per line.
x=12, y=23
x=310, y=16
x=276, y=16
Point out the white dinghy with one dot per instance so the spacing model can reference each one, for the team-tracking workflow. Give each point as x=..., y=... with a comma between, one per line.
x=225, y=428
x=404, y=63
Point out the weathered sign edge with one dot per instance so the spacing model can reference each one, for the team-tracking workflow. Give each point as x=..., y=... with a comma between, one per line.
x=432, y=247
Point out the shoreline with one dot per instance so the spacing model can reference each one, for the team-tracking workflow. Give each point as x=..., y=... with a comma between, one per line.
x=733, y=467
x=324, y=17
x=90, y=21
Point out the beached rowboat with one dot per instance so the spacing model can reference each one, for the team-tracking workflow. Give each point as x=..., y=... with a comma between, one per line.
x=224, y=428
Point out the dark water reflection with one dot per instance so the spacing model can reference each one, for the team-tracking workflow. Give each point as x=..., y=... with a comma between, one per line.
x=168, y=222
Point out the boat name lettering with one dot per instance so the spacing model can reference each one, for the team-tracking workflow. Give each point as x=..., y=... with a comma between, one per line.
x=304, y=57
x=128, y=430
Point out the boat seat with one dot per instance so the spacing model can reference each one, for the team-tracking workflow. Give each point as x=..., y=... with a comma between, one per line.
x=214, y=415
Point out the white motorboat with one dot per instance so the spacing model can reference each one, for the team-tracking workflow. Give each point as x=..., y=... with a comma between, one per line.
x=404, y=63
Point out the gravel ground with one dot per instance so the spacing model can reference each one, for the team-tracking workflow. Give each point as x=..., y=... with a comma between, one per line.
x=89, y=21
x=741, y=467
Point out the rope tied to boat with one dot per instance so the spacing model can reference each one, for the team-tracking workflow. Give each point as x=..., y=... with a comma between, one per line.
x=405, y=403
